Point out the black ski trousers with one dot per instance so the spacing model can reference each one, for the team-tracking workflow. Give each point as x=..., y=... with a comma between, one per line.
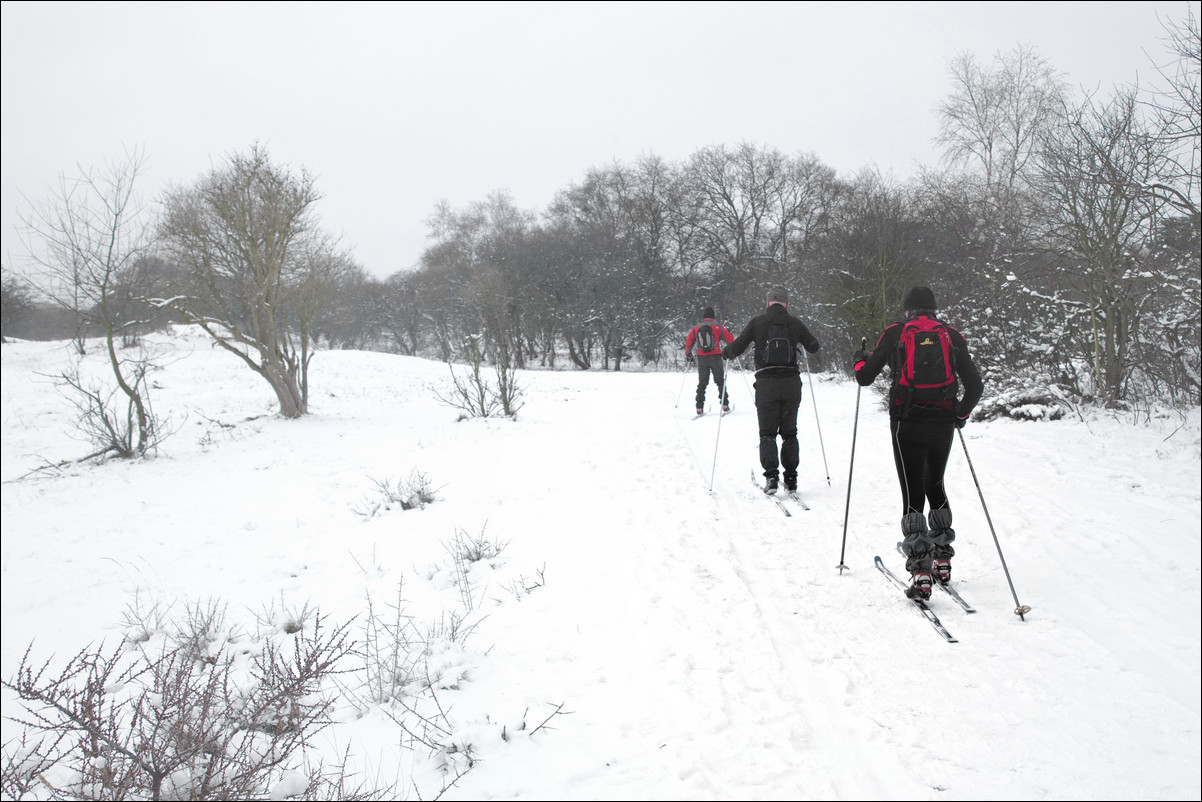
x=776, y=401
x=708, y=364
x=920, y=453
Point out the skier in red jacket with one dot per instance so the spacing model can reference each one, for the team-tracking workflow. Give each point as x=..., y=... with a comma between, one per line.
x=706, y=339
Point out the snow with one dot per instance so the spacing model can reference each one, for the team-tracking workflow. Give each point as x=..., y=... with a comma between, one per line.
x=674, y=633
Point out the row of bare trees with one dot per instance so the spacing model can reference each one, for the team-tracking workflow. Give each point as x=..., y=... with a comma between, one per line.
x=1061, y=234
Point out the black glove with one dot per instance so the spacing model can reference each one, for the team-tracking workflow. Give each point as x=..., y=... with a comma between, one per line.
x=961, y=421
x=688, y=358
x=858, y=358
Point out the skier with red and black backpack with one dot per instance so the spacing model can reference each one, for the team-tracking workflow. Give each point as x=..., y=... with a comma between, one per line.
x=706, y=339
x=928, y=361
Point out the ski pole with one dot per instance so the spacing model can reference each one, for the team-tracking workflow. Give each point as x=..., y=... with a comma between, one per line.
x=851, y=464
x=1020, y=609
x=821, y=444
x=680, y=392
x=743, y=370
x=714, y=468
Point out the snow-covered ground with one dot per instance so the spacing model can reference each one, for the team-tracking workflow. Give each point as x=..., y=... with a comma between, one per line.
x=680, y=636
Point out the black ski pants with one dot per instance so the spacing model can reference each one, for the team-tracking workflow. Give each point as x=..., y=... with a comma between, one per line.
x=707, y=365
x=920, y=453
x=776, y=401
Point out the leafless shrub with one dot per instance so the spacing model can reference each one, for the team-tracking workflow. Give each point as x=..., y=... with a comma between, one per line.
x=121, y=424
x=477, y=397
x=391, y=647
x=427, y=722
x=219, y=431
x=465, y=551
x=408, y=494
x=288, y=619
x=396, y=648
x=191, y=721
x=202, y=634
x=26, y=762
x=522, y=586
x=141, y=621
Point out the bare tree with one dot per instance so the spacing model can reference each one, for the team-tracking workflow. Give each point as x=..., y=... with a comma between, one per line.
x=248, y=240
x=478, y=289
x=994, y=117
x=91, y=239
x=736, y=194
x=753, y=217
x=311, y=291
x=876, y=254
x=398, y=312
x=987, y=209
x=1178, y=108
x=992, y=122
x=1095, y=168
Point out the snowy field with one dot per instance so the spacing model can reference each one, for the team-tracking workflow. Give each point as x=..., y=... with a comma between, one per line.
x=680, y=636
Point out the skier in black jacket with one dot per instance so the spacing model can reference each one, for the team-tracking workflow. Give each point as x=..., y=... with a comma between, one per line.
x=776, y=335
x=923, y=421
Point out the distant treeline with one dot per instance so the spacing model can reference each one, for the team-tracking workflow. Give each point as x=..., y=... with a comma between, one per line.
x=1060, y=234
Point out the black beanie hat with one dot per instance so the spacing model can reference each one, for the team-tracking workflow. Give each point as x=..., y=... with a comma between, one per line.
x=919, y=298
x=707, y=312
x=778, y=295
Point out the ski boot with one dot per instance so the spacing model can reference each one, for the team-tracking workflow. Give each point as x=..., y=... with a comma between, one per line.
x=942, y=570
x=920, y=587
x=942, y=535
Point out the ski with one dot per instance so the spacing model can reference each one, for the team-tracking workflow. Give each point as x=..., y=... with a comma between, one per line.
x=794, y=495
x=948, y=589
x=927, y=612
x=780, y=504
x=721, y=414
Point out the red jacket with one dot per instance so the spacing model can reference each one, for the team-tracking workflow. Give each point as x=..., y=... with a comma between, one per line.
x=720, y=334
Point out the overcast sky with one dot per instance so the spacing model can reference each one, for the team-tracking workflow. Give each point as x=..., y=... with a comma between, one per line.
x=397, y=106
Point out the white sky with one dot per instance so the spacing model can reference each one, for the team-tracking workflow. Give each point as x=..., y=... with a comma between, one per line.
x=396, y=106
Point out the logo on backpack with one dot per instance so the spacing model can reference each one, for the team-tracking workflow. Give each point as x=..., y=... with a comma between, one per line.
x=705, y=338
x=926, y=372
x=778, y=348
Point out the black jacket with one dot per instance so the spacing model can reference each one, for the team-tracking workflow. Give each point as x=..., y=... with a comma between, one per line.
x=887, y=352
x=757, y=332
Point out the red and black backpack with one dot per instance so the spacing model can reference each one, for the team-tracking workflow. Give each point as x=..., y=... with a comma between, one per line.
x=926, y=362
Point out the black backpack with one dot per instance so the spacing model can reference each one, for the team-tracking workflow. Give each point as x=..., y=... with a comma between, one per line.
x=778, y=348
x=705, y=337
